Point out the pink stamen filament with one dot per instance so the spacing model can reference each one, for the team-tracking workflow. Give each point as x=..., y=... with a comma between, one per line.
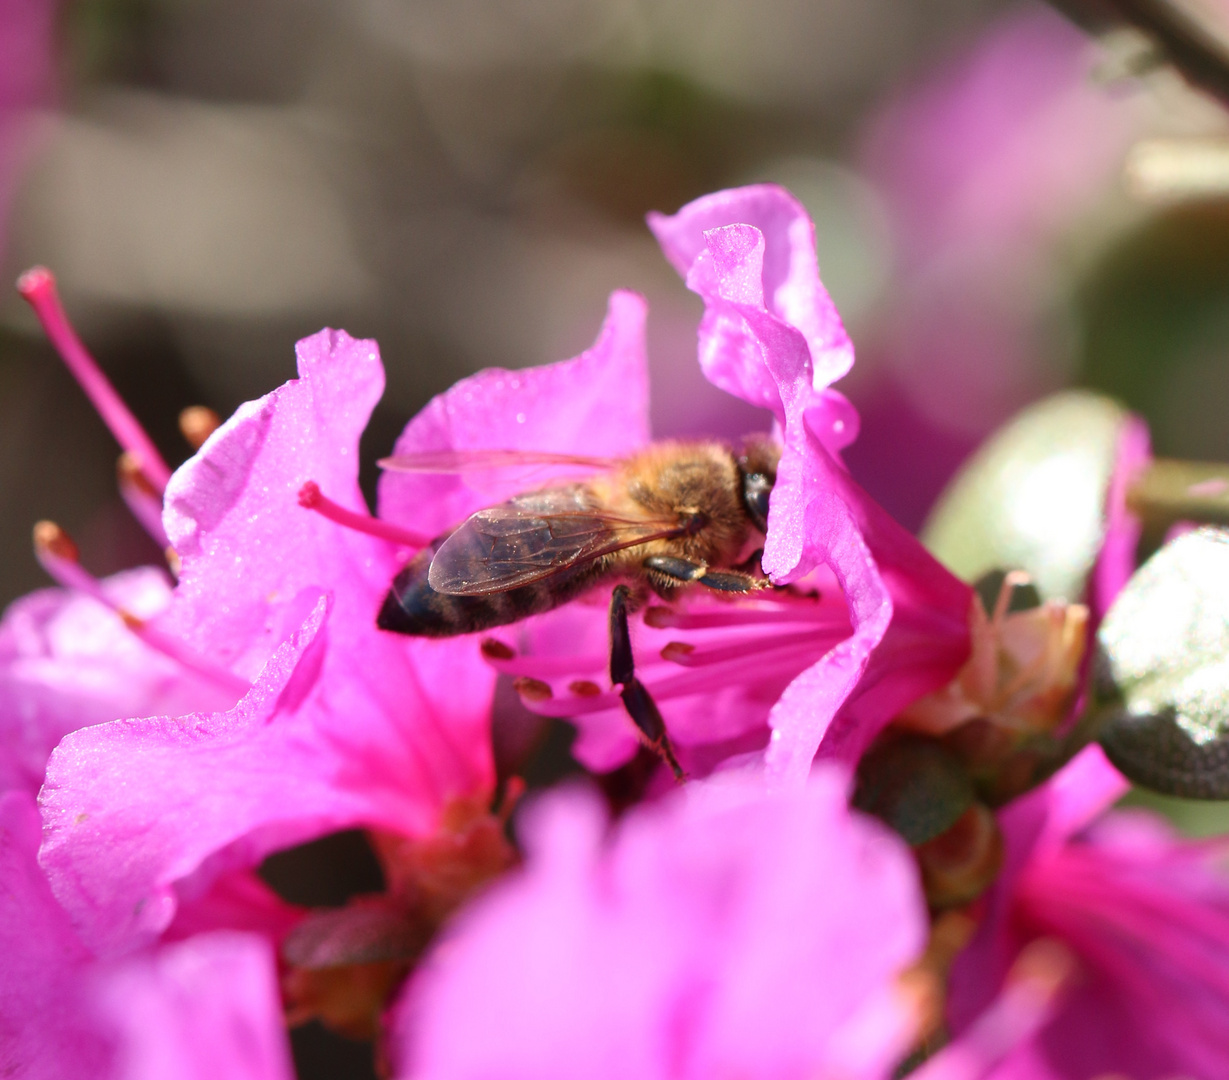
x=57, y=555
x=818, y=641
x=142, y=500
x=312, y=498
x=662, y=617
x=780, y=668
x=38, y=288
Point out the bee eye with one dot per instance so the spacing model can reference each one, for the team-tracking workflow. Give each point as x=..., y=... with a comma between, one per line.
x=757, y=487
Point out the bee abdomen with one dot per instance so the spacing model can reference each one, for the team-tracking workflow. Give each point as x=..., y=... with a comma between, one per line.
x=412, y=607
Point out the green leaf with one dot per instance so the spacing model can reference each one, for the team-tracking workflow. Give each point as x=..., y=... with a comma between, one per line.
x=1033, y=495
x=1161, y=687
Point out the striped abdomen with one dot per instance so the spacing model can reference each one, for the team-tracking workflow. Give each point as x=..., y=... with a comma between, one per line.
x=413, y=607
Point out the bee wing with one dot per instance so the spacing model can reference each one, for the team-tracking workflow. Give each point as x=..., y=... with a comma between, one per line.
x=531, y=538
x=458, y=461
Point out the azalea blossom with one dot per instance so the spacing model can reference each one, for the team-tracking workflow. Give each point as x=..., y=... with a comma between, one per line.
x=281, y=572
x=320, y=721
x=343, y=725
x=725, y=673
x=1145, y=914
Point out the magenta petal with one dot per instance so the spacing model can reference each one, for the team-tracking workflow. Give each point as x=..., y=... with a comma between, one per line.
x=202, y=1009
x=233, y=516
x=751, y=351
x=133, y=806
x=46, y=1032
x=730, y=936
x=790, y=284
x=207, y=1007
x=67, y=661
x=1033, y=826
x=596, y=404
x=770, y=333
x=801, y=718
x=909, y=615
x=239, y=900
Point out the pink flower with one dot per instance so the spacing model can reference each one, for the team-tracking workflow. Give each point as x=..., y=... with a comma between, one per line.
x=725, y=673
x=988, y=164
x=771, y=335
x=1005, y=146
x=1145, y=914
x=715, y=933
x=344, y=725
x=207, y=1006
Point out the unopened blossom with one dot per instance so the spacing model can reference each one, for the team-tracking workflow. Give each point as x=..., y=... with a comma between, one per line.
x=718, y=933
x=203, y=1007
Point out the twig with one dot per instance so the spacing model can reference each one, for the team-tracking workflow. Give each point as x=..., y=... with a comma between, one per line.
x=1187, y=43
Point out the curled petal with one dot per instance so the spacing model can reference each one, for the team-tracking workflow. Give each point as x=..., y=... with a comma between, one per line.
x=789, y=286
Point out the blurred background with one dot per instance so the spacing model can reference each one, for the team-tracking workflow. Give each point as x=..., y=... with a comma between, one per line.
x=1005, y=205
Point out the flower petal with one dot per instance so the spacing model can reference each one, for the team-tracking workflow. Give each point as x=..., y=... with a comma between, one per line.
x=46, y=1032
x=232, y=513
x=68, y=661
x=596, y=404
x=738, y=935
x=204, y=1008
x=133, y=806
x=789, y=278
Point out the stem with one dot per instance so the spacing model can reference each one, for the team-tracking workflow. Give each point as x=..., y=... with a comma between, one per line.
x=1169, y=491
x=1188, y=43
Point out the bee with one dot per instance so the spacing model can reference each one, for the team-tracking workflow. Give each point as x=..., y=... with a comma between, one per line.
x=673, y=515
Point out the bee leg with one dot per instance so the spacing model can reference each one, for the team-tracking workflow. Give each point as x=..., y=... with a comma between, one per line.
x=637, y=700
x=678, y=570
x=685, y=571
x=732, y=581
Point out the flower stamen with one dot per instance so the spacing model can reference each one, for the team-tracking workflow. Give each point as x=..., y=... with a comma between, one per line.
x=58, y=555
x=197, y=423
x=662, y=618
x=312, y=498
x=686, y=655
x=37, y=287
x=142, y=499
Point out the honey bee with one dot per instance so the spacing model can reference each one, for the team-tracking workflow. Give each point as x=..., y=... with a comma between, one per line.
x=673, y=515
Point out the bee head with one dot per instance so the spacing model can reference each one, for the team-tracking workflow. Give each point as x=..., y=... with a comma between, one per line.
x=757, y=467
